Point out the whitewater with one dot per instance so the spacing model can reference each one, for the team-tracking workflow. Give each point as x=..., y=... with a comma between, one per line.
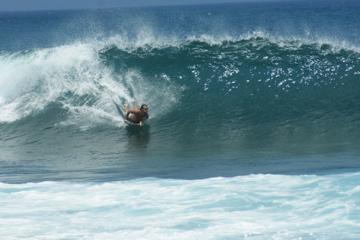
x=253, y=129
x=247, y=207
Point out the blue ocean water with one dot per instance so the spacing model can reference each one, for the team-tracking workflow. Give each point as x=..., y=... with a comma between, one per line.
x=253, y=129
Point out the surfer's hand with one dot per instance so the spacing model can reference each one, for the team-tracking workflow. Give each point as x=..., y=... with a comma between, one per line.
x=141, y=123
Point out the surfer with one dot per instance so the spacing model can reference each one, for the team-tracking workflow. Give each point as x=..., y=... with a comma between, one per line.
x=137, y=115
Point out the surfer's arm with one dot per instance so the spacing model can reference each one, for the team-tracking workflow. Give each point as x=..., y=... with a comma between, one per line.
x=126, y=108
x=133, y=111
x=144, y=119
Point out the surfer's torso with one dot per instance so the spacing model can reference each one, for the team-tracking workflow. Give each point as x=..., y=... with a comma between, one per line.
x=136, y=116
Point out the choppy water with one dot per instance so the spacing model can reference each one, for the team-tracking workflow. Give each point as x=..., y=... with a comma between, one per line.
x=253, y=130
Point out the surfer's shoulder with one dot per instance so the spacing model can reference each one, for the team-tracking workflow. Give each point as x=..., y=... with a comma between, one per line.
x=134, y=111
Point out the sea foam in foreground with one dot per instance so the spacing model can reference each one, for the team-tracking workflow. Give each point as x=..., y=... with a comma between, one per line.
x=246, y=207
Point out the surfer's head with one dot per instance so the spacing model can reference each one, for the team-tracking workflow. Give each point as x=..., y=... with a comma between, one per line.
x=144, y=107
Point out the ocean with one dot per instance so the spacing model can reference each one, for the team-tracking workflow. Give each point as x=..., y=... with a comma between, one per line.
x=253, y=130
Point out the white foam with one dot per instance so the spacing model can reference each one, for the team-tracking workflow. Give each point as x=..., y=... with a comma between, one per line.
x=31, y=81
x=245, y=207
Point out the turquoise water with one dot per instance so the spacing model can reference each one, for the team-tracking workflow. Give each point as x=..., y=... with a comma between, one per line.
x=253, y=129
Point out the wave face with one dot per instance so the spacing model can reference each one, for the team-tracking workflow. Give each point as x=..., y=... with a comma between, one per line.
x=221, y=86
x=214, y=99
x=247, y=207
x=252, y=80
x=198, y=88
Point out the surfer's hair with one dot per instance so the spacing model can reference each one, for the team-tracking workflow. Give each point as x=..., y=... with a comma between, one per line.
x=143, y=106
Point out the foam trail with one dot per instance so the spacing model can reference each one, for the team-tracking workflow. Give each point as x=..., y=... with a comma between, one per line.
x=245, y=207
